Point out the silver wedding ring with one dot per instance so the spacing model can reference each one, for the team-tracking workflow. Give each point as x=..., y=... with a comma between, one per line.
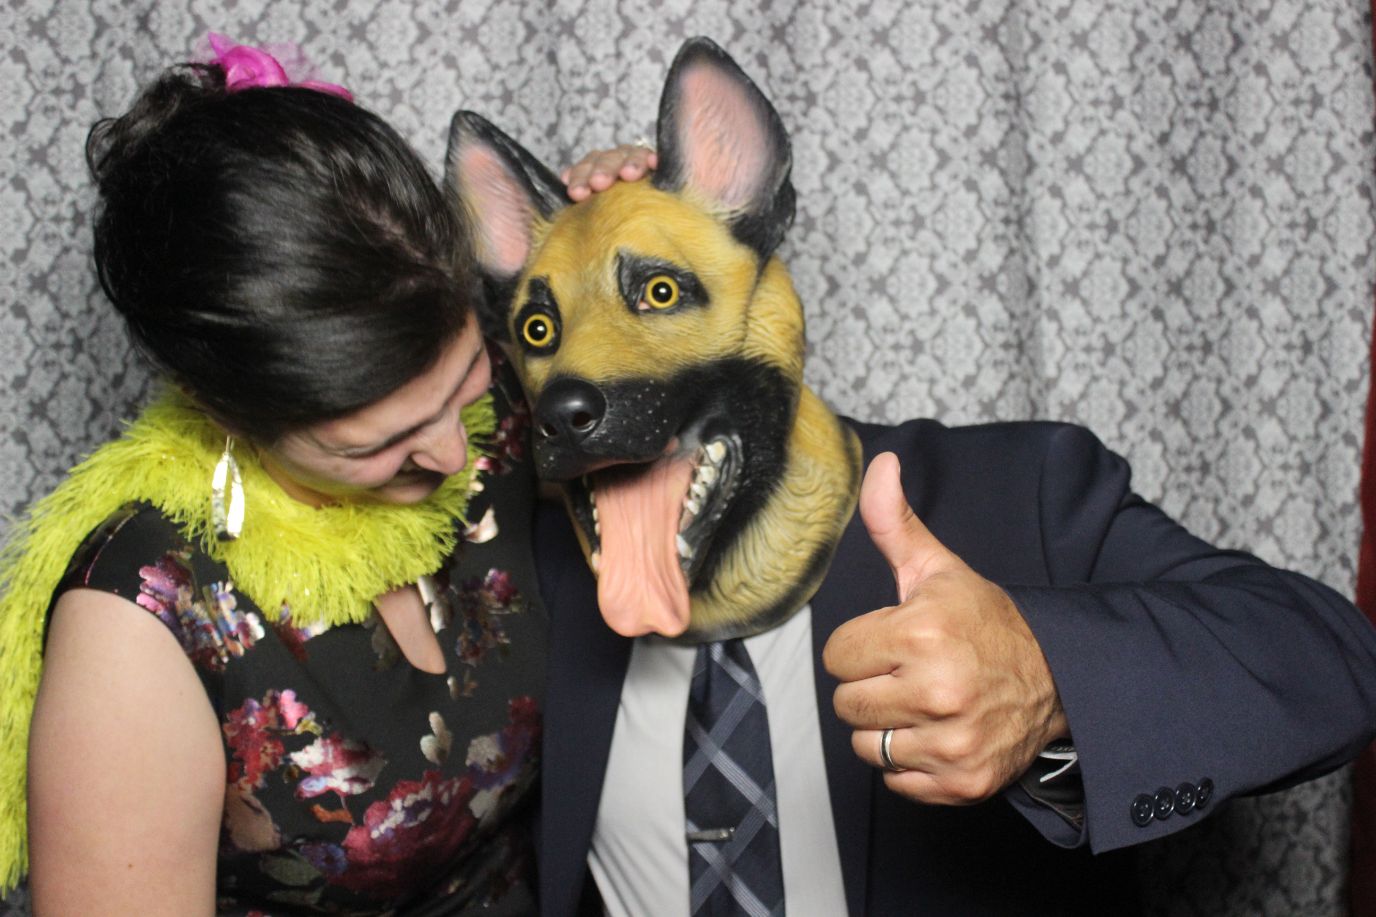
x=884, y=754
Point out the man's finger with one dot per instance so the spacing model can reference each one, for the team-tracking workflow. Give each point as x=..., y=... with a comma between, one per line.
x=576, y=178
x=930, y=789
x=865, y=744
x=879, y=702
x=919, y=776
x=905, y=750
x=862, y=647
x=912, y=551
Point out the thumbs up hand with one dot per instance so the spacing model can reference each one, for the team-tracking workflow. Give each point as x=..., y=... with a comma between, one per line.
x=952, y=669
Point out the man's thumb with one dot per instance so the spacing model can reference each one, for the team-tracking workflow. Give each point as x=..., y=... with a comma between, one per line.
x=912, y=551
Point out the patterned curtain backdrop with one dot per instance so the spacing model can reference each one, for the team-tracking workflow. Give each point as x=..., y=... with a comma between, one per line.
x=1151, y=217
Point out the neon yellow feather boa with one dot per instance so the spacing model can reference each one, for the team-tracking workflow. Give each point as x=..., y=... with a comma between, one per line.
x=325, y=564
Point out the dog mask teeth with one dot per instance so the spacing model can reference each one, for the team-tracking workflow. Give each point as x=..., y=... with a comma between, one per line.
x=583, y=504
x=698, y=490
x=707, y=475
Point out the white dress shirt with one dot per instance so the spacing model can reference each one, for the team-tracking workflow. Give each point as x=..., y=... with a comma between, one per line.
x=639, y=857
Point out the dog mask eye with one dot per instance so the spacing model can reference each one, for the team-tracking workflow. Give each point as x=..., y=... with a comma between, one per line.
x=538, y=331
x=660, y=293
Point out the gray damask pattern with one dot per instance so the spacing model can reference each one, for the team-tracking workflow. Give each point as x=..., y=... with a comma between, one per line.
x=1152, y=218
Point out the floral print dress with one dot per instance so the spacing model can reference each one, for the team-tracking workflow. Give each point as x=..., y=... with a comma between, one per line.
x=356, y=783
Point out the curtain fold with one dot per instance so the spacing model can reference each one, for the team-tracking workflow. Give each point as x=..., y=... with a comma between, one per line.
x=1362, y=870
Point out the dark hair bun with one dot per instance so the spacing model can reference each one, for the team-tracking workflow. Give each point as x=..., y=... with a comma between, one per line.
x=112, y=141
x=279, y=252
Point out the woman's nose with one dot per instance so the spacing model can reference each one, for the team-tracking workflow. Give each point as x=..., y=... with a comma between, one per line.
x=445, y=449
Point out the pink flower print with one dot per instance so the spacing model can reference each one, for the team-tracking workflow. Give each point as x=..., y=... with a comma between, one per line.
x=294, y=638
x=501, y=587
x=480, y=603
x=293, y=712
x=252, y=732
x=237, y=632
x=411, y=835
x=209, y=625
x=508, y=445
x=336, y=765
x=166, y=588
x=256, y=751
x=422, y=826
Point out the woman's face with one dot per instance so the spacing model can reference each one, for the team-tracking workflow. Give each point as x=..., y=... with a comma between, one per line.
x=396, y=450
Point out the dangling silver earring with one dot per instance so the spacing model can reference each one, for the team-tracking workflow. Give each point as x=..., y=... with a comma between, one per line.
x=227, y=515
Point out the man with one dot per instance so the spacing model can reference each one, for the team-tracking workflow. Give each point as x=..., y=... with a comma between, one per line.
x=1066, y=671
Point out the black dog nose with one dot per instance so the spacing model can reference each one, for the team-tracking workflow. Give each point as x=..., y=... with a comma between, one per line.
x=569, y=411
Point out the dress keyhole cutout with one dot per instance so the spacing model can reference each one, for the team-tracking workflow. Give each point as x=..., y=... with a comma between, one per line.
x=409, y=621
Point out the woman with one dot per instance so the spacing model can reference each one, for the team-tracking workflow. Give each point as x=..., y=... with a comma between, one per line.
x=270, y=681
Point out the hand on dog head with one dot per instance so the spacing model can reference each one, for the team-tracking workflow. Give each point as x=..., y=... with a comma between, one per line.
x=719, y=141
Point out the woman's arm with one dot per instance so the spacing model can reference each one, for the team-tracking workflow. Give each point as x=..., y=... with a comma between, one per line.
x=126, y=768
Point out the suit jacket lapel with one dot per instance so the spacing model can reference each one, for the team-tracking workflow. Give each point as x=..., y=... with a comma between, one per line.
x=586, y=670
x=859, y=581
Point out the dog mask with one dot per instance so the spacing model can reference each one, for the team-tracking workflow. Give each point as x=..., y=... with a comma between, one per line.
x=661, y=347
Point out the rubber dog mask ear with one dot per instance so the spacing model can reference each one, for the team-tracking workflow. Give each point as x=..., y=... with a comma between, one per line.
x=661, y=346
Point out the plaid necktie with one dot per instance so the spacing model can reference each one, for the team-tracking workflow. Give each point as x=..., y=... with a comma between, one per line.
x=728, y=786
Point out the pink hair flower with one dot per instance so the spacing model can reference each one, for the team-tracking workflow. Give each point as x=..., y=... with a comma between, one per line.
x=247, y=67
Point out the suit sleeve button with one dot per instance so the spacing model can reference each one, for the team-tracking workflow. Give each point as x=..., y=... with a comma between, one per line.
x=1184, y=798
x=1203, y=792
x=1164, y=803
x=1142, y=808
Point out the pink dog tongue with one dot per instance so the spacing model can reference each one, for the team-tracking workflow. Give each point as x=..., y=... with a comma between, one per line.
x=640, y=585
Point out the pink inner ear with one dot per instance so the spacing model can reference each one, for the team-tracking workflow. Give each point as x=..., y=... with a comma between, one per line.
x=500, y=210
x=723, y=137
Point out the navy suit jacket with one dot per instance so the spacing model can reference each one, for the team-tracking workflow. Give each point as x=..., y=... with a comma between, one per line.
x=1175, y=661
